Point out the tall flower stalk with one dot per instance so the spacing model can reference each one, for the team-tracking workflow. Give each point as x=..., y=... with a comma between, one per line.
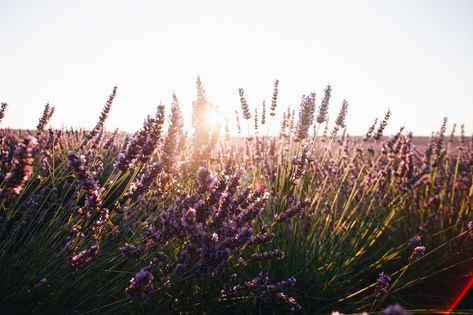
x=103, y=117
x=22, y=169
x=306, y=117
x=3, y=108
x=43, y=121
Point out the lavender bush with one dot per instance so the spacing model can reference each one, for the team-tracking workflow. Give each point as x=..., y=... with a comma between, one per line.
x=162, y=221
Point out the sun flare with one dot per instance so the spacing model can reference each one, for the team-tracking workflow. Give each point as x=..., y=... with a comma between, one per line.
x=214, y=118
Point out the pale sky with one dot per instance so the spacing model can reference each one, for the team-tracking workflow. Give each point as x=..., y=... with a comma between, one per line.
x=414, y=57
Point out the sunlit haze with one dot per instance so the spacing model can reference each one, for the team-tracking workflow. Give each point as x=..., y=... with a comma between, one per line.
x=413, y=57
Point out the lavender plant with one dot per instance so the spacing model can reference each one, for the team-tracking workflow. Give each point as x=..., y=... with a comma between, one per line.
x=159, y=221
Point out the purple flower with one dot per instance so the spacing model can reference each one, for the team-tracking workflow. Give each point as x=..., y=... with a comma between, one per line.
x=43, y=121
x=3, y=107
x=215, y=224
x=103, y=218
x=140, y=285
x=175, y=131
x=146, y=178
x=323, y=109
x=395, y=309
x=88, y=182
x=306, y=116
x=262, y=238
x=21, y=170
x=382, y=126
x=143, y=143
x=291, y=212
x=417, y=253
x=340, y=120
x=275, y=254
x=274, y=99
x=203, y=179
x=302, y=163
x=260, y=288
x=84, y=257
x=130, y=251
x=382, y=284
x=103, y=116
x=245, y=108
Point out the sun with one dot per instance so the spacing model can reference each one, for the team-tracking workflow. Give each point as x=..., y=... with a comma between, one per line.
x=214, y=118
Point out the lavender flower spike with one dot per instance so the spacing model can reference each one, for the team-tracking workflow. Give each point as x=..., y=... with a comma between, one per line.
x=395, y=309
x=382, y=284
x=103, y=116
x=3, y=107
x=291, y=212
x=21, y=170
x=418, y=252
x=140, y=285
x=306, y=116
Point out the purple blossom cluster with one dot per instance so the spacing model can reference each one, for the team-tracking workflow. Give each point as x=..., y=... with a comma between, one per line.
x=340, y=120
x=141, y=284
x=215, y=226
x=261, y=288
x=145, y=180
x=74, y=236
x=83, y=257
x=143, y=144
x=417, y=253
x=46, y=148
x=263, y=237
x=3, y=108
x=324, y=104
x=88, y=183
x=382, y=284
x=395, y=309
x=383, y=124
x=301, y=163
x=7, y=149
x=244, y=105
x=130, y=251
x=214, y=223
x=43, y=121
x=274, y=254
x=306, y=116
x=292, y=211
x=154, y=135
x=103, y=116
x=173, y=137
x=274, y=99
x=22, y=168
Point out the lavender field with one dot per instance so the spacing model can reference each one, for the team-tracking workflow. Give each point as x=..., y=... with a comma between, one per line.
x=178, y=220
